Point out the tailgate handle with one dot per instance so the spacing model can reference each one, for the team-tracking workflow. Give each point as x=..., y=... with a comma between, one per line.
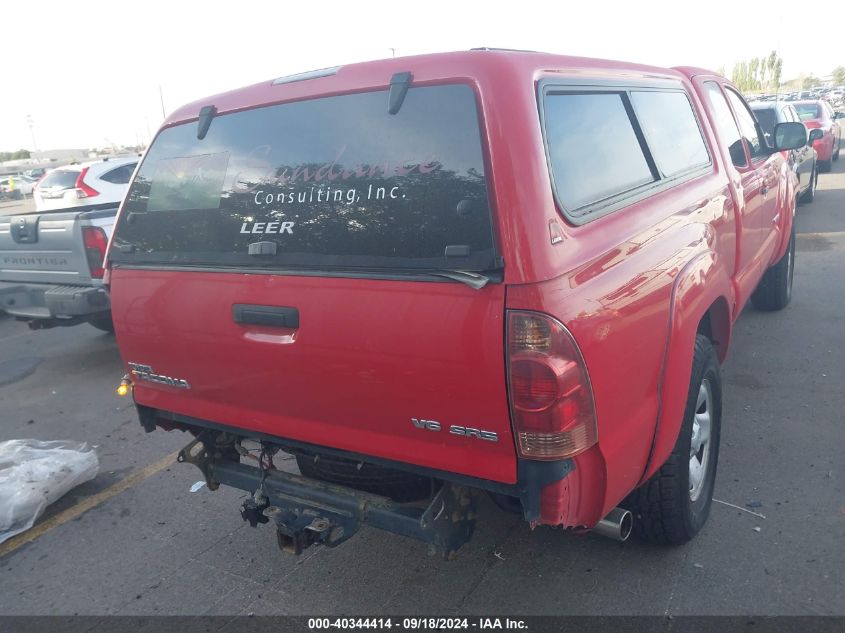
x=273, y=316
x=24, y=229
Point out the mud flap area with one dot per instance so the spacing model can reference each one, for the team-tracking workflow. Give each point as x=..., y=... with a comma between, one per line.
x=307, y=512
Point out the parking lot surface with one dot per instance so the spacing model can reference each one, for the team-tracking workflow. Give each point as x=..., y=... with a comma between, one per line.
x=148, y=545
x=11, y=207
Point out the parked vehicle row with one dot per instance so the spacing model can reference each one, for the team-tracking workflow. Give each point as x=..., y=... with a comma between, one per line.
x=823, y=136
x=834, y=96
x=94, y=182
x=820, y=115
x=436, y=277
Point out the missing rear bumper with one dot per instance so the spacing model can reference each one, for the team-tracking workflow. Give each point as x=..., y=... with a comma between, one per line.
x=306, y=512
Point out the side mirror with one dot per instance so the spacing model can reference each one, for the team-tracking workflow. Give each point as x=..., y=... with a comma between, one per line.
x=790, y=135
x=815, y=135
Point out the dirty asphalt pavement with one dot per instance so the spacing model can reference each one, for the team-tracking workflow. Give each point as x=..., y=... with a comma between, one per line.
x=157, y=548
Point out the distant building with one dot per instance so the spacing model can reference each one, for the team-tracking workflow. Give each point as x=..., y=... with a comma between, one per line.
x=56, y=155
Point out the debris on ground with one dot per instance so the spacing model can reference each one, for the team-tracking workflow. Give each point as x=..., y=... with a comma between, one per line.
x=756, y=528
x=34, y=474
x=197, y=486
x=736, y=507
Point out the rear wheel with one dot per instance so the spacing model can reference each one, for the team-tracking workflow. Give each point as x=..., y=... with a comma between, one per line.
x=673, y=506
x=838, y=146
x=810, y=194
x=775, y=289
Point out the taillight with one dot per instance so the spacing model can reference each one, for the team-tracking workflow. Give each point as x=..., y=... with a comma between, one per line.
x=551, y=399
x=95, y=241
x=83, y=190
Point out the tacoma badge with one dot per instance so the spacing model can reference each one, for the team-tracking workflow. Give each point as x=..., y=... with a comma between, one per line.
x=145, y=372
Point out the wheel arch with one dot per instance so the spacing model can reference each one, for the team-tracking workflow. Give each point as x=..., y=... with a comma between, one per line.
x=716, y=325
x=701, y=303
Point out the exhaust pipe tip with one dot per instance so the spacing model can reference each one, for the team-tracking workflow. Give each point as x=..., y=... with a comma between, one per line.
x=617, y=525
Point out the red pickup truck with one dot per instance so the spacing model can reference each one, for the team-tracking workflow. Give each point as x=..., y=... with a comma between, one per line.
x=437, y=277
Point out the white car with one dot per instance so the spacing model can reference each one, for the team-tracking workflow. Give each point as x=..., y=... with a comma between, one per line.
x=10, y=184
x=96, y=182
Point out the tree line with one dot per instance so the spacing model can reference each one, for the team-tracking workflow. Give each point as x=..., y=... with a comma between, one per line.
x=763, y=74
x=21, y=153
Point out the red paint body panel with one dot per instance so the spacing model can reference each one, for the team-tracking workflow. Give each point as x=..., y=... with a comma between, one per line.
x=631, y=287
x=832, y=133
x=368, y=356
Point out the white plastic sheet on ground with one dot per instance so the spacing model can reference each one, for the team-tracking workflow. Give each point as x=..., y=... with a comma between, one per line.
x=34, y=474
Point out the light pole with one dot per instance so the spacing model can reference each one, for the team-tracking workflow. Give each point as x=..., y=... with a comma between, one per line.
x=161, y=97
x=31, y=123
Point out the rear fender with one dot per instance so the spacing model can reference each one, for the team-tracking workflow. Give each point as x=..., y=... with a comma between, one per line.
x=702, y=286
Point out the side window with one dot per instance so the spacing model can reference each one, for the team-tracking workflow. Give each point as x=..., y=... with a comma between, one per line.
x=593, y=148
x=671, y=131
x=725, y=123
x=747, y=125
x=767, y=118
x=120, y=175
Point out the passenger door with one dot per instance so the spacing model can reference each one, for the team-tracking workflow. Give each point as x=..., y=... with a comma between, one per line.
x=766, y=166
x=747, y=181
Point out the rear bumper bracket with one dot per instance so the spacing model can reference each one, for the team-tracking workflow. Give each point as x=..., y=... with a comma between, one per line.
x=307, y=512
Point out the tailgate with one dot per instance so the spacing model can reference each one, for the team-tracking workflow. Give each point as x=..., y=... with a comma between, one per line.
x=367, y=359
x=47, y=248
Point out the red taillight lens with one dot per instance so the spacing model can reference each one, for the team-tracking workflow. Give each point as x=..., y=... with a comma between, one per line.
x=95, y=242
x=551, y=399
x=83, y=190
x=533, y=385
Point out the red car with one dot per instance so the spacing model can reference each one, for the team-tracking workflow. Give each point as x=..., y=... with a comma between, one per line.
x=820, y=114
x=436, y=277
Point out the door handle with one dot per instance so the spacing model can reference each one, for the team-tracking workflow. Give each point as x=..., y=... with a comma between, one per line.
x=271, y=316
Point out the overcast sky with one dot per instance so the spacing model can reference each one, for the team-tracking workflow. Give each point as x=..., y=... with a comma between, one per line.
x=88, y=73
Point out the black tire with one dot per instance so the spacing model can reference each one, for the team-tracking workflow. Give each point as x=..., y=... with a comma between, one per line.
x=774, y=291
x=838, y=147
x=396, y=484
x=824, y=166
x=103, y=323
x=810, y=194
x=667, y=509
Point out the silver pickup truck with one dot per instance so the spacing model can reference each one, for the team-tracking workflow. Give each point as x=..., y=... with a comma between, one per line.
x=51, y=266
